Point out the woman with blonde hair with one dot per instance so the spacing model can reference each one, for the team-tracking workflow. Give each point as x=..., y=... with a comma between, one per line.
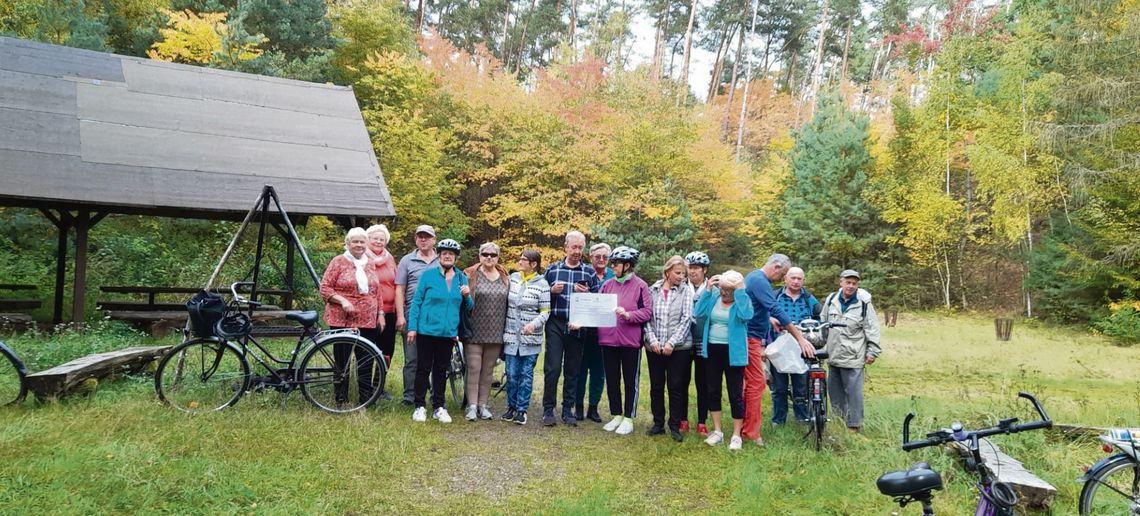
x=668, y=346
x=385, y=265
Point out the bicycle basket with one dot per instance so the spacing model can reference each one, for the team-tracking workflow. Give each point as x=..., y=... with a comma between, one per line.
x=205, y=310
x=233, y=326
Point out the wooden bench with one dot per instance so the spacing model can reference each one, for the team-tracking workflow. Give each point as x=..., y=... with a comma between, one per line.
x=18, y=304
x=60, y=379
x=1033, y=491
x=161, y=323
x=151, y=303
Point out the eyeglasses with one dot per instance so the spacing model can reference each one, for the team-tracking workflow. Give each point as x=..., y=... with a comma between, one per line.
x=600, y=257
x=489, y=255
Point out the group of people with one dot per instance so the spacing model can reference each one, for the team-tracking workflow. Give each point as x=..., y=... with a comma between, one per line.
x=693, y=327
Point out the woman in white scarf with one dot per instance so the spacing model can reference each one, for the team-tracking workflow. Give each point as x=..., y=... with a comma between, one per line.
x=349, y=287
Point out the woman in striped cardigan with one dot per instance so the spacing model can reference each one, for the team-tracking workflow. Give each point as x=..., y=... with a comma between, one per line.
x=528, y=308
x=668, y=347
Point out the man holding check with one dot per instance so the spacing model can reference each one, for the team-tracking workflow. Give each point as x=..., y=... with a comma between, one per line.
x=564, y=342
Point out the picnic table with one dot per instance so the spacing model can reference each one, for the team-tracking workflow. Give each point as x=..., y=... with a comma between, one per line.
x=162, y=317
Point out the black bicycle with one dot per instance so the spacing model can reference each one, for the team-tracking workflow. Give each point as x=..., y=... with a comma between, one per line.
x=457, y=375
x=13, y=386
x=813, y=331
x=337, y=371
x=917, y=483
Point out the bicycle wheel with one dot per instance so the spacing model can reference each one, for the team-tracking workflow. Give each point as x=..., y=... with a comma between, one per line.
x=12, y=372
x=342, y=374
x=457, y=376
x=1113, y=490
x=819, y=422
x=202, y=375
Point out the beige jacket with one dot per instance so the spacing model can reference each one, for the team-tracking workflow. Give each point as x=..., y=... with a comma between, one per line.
x=848, y=347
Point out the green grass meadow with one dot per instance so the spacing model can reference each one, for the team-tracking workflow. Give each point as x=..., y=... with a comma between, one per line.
x=117, y=450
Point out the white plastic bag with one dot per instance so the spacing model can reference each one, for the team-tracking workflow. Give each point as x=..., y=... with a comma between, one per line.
x=784, y=355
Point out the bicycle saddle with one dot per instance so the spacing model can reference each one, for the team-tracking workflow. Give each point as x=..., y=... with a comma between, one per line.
x=820, y=354
x=918, y=479
x=306, y=318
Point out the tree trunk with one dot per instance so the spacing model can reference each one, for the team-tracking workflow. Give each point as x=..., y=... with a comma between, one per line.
x=791, y=82
x=747, y=83
x=732, y=85
x=817, y=69
x=503, y=48
x=522, y=38
x=573, y=25
x=846, y=48
x=658, y=62
x=688, y=51
x=718, y=63
x=420, y=16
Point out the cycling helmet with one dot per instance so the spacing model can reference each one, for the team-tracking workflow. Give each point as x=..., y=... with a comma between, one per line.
x=697, y=258
x=624, y=254
x=234, y=325
x=448, y=244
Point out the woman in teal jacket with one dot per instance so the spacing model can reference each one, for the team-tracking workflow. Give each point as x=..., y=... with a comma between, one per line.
x=727, y=309
x=433, y=326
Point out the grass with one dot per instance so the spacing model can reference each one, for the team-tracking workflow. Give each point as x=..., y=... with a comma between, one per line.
x=117, y=450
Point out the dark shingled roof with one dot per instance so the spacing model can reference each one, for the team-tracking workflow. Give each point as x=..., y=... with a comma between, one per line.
x=84, y=129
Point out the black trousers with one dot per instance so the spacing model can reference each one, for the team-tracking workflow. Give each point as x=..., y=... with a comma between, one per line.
x=717, y=367
x=673, y=372
x=623, y=366
x=386, y=341
x=433, y=356
x=366, y=372
x=700, y=378
x=563, y=355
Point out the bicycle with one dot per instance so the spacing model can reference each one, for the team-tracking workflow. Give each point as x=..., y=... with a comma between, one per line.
x=1119, y=473
x=13, y=386
x=337, y=371
x=916, y=483
x=457, y=375
x=812, y=331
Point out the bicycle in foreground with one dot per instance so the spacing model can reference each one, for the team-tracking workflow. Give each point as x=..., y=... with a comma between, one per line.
x=1112, y=485
x=337, y=371
x=813, y=331
x=917, y=483
x=13, y=387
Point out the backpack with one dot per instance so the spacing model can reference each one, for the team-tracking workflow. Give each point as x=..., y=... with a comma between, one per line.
x=827, y=303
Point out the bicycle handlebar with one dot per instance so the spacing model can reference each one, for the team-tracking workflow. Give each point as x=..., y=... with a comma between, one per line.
x=1005, y=426
x=238, y=297
x=813, y=325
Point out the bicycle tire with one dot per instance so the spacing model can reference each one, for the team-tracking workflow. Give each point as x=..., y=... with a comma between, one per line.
x=819, y=422
x=345, y=384
x=457, y=376
x=13, y=385
x=221, y=369
x=1120, y=473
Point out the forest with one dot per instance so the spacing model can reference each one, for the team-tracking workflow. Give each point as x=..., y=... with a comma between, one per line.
x=963, y=155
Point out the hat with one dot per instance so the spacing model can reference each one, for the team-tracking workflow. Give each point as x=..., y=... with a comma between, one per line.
x=850, y=273
x=424, y=228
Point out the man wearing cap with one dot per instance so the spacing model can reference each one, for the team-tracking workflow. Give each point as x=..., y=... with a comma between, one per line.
x=408, y=273
x=851, y=348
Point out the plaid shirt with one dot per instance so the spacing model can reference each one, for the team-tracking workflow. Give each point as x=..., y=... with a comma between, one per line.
x=559, y=272
x=800, y=308
x=672, y=318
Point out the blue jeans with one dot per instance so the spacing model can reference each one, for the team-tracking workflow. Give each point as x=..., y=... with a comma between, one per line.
x=780, y=382
x=520, y=381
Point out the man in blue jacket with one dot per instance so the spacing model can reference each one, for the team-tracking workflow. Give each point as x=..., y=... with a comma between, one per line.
x=798, y=304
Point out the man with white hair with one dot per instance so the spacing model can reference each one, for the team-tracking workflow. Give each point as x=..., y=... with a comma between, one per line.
x=850, y=348
x=564, y=343
x=758, y=284
x=798, y=304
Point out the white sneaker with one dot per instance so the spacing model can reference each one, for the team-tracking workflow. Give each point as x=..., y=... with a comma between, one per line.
x=419, y=415
x=442, y=415
x=612, y=425
x=735, y=443
x=625, y=428
x=472, y=413
x=759, y=441
x=485, y=413
x=715, y=438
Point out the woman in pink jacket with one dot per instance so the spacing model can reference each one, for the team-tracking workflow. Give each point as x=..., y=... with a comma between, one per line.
x=621, y=345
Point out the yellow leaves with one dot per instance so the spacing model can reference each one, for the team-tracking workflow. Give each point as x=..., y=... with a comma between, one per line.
x=199, y=38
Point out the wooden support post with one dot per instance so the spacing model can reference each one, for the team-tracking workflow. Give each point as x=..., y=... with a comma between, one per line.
x=63, y=224
x=79, y=292
x=290, y=257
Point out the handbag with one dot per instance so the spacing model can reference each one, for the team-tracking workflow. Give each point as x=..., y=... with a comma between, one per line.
x=205, y=309
x=465, y=331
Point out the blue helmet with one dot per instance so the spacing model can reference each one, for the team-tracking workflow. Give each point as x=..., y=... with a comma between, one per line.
x=698, y=258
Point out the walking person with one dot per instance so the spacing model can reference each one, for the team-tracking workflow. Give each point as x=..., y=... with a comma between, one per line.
x=669, y=344
x=489, y=284
x=563, y=343
x=621, y=344
x=592, y=375
x=726, y=310
x=850, y=348
x=349, y=288
x=408, y=272
x=433, y=327
x=698, y=267
x=528, y=308
x=798, y=304
x=758, y=284
x=385, y=265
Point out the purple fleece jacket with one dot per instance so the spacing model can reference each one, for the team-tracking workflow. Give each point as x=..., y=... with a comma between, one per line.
x=633, y=295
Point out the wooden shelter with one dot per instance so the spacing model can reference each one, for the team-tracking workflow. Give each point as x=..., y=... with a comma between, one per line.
x=85, y=134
